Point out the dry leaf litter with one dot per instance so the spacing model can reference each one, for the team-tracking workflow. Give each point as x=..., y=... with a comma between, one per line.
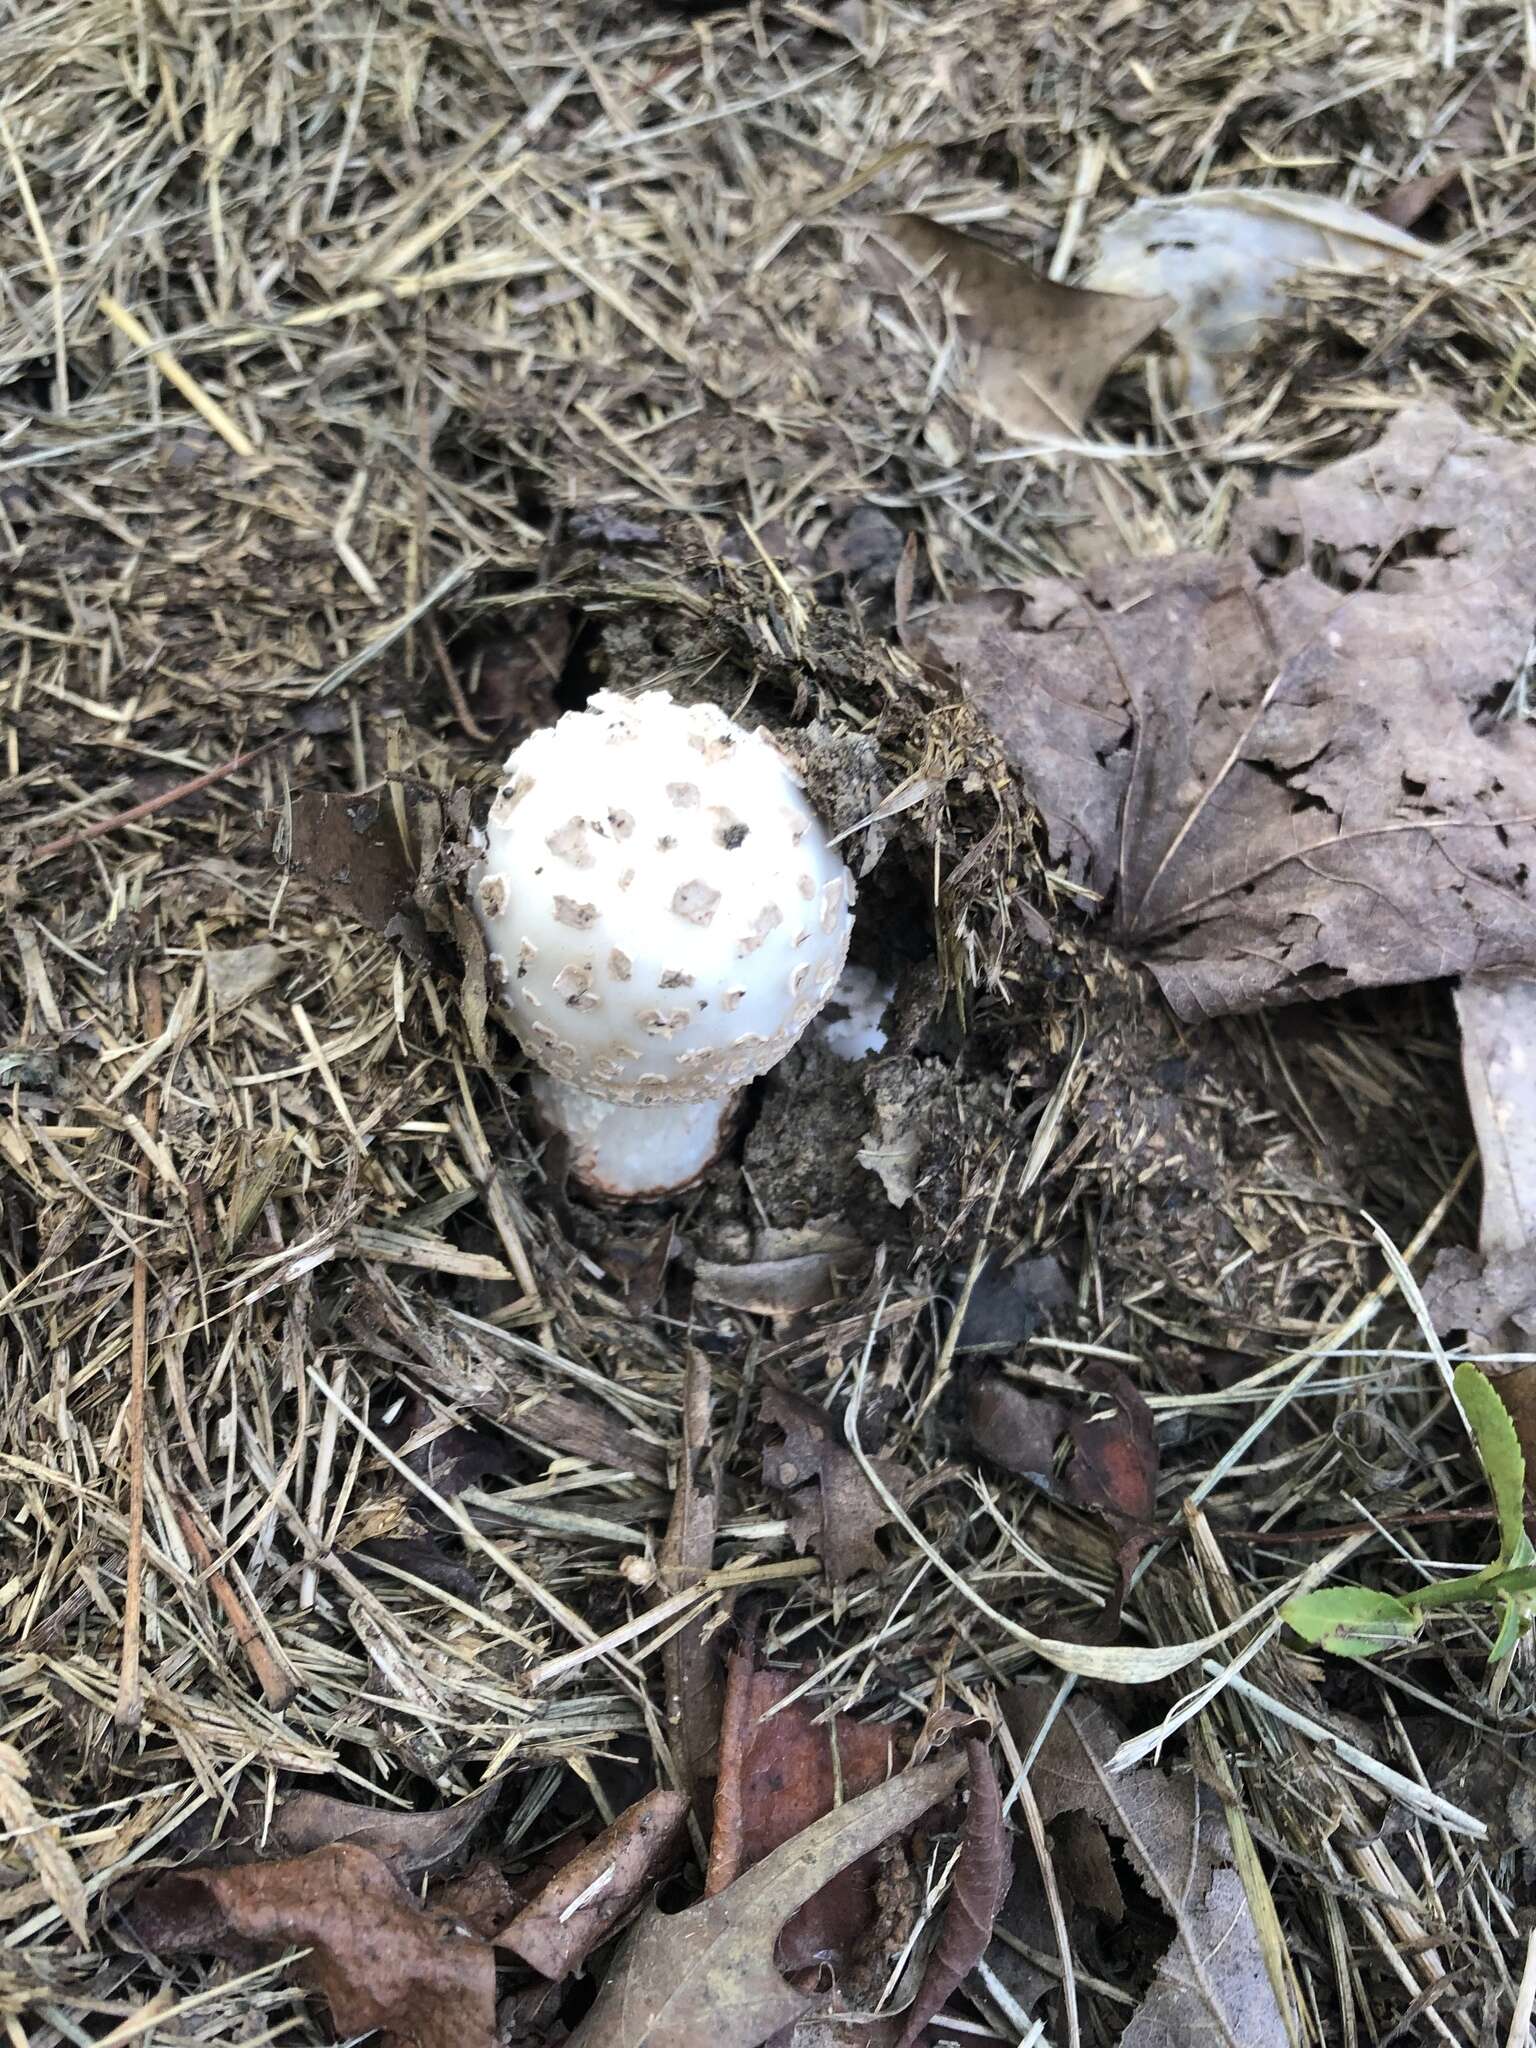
x=380, y=1518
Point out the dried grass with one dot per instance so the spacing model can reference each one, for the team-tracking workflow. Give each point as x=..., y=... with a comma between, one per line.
x=316, y=327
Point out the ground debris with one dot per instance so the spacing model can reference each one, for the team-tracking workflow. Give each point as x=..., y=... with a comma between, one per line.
x=1212, y=1982
x=833, y=1508
x=709, y=1973
x=784, y=1764
x=373, y=387
x=1300, y=786
x=596, y=1890
x=982, y=1874
x=1038, y=353
x=379, y=1960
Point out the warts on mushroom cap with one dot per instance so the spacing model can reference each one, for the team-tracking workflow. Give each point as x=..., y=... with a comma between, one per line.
x=705, y=880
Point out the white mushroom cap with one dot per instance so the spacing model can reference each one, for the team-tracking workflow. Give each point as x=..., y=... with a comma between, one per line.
x=661, y=900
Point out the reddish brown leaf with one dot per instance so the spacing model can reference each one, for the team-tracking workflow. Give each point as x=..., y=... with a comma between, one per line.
x=976, y=1891
x=1113, y=1469
x=833, y=1509
x=778, y=1775
x=556, y=1931
x=1114, y=1442
x=707, y=1978
x=379, y=1961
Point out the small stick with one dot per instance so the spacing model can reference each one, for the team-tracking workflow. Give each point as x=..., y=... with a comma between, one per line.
x=150, y=805
x=461, y=711
x=209, y=408
x=1337, y=1532
x=130, y=1697
x=277, y=1685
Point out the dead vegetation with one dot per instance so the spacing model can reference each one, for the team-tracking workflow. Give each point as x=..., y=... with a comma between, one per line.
x=374, y=380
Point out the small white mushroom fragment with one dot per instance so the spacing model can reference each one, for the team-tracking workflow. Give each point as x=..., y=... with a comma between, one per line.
x=676, y=917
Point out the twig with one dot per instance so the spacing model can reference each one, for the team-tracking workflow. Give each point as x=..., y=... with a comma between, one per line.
x=150, y=805
x=278, y=1685
x=461, y=711
x=222, y=423
x=1336, y=1532
x=130, y=1697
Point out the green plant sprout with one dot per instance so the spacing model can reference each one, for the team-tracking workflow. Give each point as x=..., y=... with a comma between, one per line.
x=1355, y=1621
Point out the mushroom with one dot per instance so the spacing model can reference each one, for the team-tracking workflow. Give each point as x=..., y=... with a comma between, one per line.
x=666, y=916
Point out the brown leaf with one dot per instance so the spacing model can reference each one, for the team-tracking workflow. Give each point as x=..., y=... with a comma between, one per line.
x=707, y=1977
x=1113, y=1469
x=778, y=1774
x=351, y=847
x=1317, y=796
x=1211, y=1984
x=376, y=1957
x=833, y=1509
x=1016, y=1429
x=1088, y=1870
x=479, y=1898
x=410, y=1842
x=1029, y=663
x=1413, y=198
x=515, y=674
x=976, y=1891
x=1039, y=352
x=1114, y=1442
x=556, y=1931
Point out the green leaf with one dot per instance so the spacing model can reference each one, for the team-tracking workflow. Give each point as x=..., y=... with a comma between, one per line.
x=1451, y=1592
x=1513, y=1585
x=1351, y=1621
x=1498, y=1446
x=1508, y=1635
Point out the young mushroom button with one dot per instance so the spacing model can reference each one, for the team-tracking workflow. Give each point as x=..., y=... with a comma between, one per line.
x=668, y=916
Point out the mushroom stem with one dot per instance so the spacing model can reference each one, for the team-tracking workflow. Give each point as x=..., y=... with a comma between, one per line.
x=631, y=1150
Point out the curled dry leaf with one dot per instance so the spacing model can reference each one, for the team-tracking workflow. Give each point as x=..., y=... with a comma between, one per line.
x=976, y=1891
x=410, y=1842
x=1293, y=776
x=378, y=1959
x=774, y=1287
x=582, y=1904
x=1226, y=259
x=833, y=1509
x=1211, y=1984
x=1039, y=353
x=1483, y=1294
x=708, y=1975
x=779, y=1772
